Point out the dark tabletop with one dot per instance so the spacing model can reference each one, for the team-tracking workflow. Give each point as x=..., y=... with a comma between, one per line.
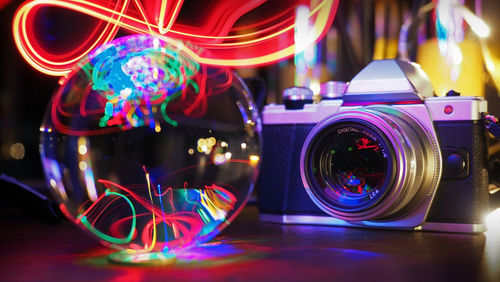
x=251, y=250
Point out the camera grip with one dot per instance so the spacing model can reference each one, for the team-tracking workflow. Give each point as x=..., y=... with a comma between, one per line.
x=463, y=200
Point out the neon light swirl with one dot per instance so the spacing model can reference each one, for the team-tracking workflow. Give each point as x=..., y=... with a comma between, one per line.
x=134, y=81
x=127, y=239
x=223, y=29
x=204, y=210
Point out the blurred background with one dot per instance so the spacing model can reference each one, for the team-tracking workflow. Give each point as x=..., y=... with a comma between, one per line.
x=456, y=49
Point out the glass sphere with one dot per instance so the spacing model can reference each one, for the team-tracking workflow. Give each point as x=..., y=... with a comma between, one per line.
x=149, y=150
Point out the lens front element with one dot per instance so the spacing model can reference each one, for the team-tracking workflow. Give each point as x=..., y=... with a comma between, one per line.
x=352, y=165
x=370, y=163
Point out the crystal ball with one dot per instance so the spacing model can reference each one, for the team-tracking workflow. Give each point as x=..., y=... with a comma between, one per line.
x=149, y=150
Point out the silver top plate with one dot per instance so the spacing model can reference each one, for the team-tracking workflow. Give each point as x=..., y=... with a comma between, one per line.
x=462, y=108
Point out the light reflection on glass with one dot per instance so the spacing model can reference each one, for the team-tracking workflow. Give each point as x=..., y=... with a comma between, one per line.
x=139, y=152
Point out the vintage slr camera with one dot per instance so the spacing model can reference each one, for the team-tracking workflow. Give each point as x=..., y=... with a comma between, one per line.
x=386, y=154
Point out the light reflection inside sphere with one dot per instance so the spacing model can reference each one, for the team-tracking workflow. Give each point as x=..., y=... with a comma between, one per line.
x=149, y=150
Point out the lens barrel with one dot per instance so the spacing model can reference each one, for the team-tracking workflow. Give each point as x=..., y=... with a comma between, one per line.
x=370, y=163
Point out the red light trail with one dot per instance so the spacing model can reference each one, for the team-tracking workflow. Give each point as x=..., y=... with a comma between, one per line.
x=221, y=33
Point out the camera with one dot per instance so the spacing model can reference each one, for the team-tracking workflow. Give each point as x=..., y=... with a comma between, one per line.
x=387, y=153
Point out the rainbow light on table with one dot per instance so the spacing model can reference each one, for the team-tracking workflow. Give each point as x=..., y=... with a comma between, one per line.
x=227, y=42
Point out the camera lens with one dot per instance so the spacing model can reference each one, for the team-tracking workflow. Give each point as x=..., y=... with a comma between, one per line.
x=352, y=165
x=376, y=162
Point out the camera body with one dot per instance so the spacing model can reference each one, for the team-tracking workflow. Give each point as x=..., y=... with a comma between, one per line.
x=388, y=154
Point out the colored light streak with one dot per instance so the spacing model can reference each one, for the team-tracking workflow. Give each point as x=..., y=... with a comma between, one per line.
x=151, y=246
x=227, y=41
x=450, y=31
x=305, y=52
x=134, y=81
x=53, y=173
x=102, y=235
x=163, y=215
x=204, y=210
x=476, y=23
